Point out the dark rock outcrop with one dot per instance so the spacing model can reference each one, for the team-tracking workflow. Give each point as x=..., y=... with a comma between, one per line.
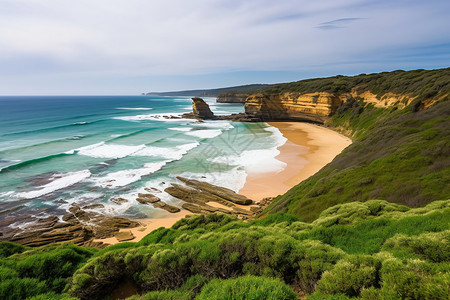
x=201, y=109
x=78, y=227
x=198, y=195
x=156, y=202
x=219, y=191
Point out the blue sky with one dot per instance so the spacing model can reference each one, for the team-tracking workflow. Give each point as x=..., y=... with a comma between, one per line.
x=86, y=47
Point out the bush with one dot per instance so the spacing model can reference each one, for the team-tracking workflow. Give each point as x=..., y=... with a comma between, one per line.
x=21, y=288
x=248, y=288
x=350, y=276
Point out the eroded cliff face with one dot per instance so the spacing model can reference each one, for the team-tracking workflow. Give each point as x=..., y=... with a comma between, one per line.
x=314, y=107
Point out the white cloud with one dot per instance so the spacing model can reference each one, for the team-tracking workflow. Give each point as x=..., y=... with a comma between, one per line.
x=136, y=38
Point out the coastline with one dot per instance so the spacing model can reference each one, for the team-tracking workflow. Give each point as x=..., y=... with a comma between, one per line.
x=308, y=149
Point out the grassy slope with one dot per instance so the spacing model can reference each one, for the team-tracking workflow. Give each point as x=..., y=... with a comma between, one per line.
x=397, y=155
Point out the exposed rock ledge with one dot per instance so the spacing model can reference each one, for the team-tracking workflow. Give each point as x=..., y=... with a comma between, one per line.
x=81, y=225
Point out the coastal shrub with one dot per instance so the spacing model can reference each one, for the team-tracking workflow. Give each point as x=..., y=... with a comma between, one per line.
x=21, y=288
x=248, y=288
x=350, y=276
x=322, y=296
x=52, y=296
x=187, y=291
x=434, y=247
x=316, y=257
x=52, y=264
x=414, y=280
x=8, y=249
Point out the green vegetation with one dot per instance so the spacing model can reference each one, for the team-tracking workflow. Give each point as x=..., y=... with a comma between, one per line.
x=397, y=155
x=350, y=250
x=424, y=83
x=246, y=288
x=41, y=272
x=370, y=250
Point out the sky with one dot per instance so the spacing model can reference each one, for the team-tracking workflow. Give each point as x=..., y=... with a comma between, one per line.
x=127, y=47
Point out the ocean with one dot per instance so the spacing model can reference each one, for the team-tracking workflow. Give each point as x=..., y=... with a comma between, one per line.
x=60, y=150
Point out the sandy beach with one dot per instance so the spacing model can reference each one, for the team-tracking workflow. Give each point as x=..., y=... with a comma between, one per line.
x=308, y=149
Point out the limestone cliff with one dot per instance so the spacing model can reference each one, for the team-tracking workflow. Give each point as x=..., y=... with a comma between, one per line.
x=315, y=107
x=231, y=98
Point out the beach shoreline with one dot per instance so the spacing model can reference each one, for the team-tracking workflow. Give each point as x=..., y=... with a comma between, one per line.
x=308, y=148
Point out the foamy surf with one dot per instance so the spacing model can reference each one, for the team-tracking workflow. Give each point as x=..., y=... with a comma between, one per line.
x=254, y=161
x=183, y=129
x=103, y=150
x=233, y=179
x=168, y=153
x=154, y=117
x=205, y=134
x=61, y=181
x=125, y=177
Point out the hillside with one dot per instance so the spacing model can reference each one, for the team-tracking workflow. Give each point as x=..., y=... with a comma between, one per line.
x=319, y=99
x=399, y=155
x=242, y=89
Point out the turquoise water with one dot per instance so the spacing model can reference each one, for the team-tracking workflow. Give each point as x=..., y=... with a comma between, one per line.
x=55, y=151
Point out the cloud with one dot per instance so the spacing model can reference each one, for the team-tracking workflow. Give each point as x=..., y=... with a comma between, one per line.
x=338, y=23
x=107, y=46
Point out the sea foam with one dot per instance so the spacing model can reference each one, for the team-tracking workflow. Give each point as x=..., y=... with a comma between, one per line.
x=175, y=153
x=125, y=177
x=154, y=117
x=254, y=161
x=205, y=134
x=61, y=181
x=103, y=150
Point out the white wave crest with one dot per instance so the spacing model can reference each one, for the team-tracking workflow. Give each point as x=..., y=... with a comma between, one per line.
x=102, y=150
x=154, y=117
x=125, y=177
x=61, y=181
x=184, y=129
x=175, y=153
x=254, y=161
x=205, y=134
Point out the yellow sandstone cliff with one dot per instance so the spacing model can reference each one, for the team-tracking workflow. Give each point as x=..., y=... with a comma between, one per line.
x=314, y=107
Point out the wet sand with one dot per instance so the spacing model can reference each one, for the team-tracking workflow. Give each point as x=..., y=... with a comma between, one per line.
x=148, y=225
x=308, y=149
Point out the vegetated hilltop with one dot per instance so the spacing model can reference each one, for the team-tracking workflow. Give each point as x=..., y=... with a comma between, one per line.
x=318, y=99
x=398, y=154
x=242, y=89
x=371, y=250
